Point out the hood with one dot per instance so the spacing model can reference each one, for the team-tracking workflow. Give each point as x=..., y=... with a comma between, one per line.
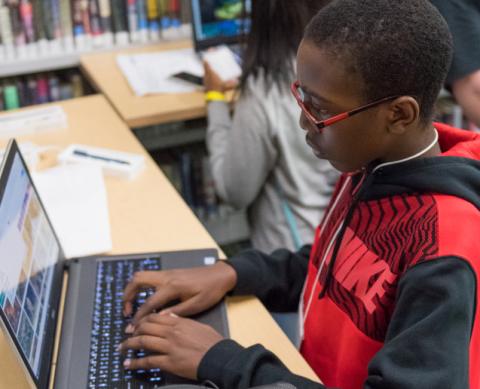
x=455, y=172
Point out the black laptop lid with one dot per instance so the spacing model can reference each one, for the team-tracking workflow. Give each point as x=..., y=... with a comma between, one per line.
x=30, y=268
x=217, y=22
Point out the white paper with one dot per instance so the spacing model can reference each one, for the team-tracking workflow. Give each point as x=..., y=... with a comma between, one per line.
x=76, y=202
x=152, y=72
x=222, y=61
x=33, y=120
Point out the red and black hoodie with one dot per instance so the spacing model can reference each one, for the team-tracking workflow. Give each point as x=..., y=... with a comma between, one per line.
x=388, y=291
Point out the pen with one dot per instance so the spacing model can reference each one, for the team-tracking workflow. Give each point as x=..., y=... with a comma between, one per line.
x=106, y=159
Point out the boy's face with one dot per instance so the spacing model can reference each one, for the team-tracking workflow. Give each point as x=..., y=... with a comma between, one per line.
x=354, y=142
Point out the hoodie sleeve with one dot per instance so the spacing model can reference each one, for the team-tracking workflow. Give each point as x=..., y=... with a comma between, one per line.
x=276, y=279
x=427, y=343
x=428, y=339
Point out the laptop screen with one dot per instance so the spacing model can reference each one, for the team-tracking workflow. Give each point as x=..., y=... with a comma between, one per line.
x=216, y=22
x=29, y=250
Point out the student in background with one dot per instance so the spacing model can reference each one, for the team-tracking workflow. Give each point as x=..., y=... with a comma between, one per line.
x=463, y=80
x=389, y=291
x=259, y=158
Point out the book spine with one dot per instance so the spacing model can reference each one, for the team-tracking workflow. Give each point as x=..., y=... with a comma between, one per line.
x=153, y=19
x=66, y=23
x=47, y=19
x=186, y=177
x=54, y=88
x=7, y=32
x=85, y=16
x=18, y=32
x=105, y=12
x=42, y=90
x=77, y=85
x=119, y=19
x=10, y=96
x=26, y=12
x=22, y=92
x=32, y=90
x=209, y=194
x=94, y=18
x=142, y=20
x=56, y=19
x=66, y=18
x=2, y=103
x=132, y=19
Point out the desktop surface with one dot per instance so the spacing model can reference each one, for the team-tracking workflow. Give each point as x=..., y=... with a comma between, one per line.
x=150, y=207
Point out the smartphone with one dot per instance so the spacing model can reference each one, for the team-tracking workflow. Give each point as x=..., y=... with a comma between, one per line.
x=189, y=77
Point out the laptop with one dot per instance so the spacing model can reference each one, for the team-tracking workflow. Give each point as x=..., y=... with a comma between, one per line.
x=33, y=285
x=220, y=22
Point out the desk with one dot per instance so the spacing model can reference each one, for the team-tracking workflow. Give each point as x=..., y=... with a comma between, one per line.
x=147, y=214
x=102, y=71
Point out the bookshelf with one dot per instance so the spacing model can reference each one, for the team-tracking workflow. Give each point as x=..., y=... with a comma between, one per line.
x=180, y=151
x=41, y=43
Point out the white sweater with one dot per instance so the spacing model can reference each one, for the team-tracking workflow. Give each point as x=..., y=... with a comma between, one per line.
x=263, y=147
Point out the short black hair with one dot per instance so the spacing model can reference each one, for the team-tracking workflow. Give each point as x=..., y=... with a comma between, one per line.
x=397, y=47
x=276, y=31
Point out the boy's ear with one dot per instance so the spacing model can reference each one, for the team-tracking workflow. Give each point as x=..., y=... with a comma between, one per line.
x=402, y=113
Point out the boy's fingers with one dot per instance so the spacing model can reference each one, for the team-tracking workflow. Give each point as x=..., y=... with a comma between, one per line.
x=140, y=280
x=158, y=300
x=185, y=308
x=145, y=342
x=152, y=329
x=150, y=362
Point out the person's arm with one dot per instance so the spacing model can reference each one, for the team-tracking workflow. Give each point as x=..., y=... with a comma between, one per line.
x=463, y=77
x=276, y=279
x=428, y=339
x=427, y=344
x=466, y=91
x=242, y=151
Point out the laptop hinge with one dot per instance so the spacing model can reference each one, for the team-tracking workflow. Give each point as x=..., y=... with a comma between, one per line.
x=58, y=330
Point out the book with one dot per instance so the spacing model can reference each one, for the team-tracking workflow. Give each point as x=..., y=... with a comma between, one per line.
x=105, y=13
x=153, y=20
x=54, y=88
x=185, y=161
x=10, y=96
x=42, y=90
x=17, y=29
x=6, y=32
x=2, y=105
x=132, y=19
x=142, y=22
x=66, y=23
x=26, y=12
x=119, y=21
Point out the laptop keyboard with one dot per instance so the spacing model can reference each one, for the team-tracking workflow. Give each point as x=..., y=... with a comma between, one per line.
x=108, y=329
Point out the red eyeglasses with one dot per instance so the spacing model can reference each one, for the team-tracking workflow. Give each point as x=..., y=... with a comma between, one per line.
x=303, y=101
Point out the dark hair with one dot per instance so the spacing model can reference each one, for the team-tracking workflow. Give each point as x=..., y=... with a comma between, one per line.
x=401, y=47
x=276, y=31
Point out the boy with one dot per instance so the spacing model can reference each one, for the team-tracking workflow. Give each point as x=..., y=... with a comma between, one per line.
x=388, y=291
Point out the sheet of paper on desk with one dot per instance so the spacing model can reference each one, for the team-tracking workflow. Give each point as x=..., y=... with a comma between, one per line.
x=152, y=72
x=32, y=121
x=76, y=202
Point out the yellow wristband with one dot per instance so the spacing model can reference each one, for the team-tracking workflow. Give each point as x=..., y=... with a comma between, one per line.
x=213, y=95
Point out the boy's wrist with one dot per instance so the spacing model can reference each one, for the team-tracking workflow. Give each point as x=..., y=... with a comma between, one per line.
x=214, y=95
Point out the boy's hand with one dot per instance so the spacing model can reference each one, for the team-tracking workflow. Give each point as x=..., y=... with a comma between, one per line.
x=197, y=289
x=178, y=344
x=212, y=81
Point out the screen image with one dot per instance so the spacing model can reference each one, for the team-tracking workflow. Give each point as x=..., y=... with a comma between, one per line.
x=217, y=18
x=28, y=252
